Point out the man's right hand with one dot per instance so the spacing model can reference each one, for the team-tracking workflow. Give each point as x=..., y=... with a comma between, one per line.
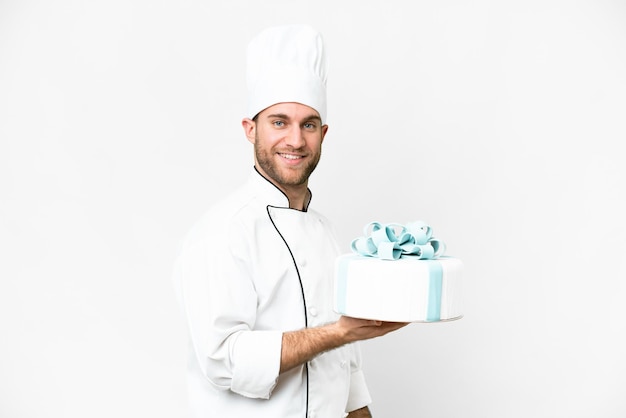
x=356, y=329
x=301, y=346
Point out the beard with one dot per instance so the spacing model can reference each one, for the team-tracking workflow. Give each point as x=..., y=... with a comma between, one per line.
x=284, y=176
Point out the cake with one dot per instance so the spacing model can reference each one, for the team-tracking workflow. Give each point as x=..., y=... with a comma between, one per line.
x=398, y=273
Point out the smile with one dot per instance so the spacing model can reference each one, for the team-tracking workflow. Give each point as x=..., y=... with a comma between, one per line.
x=291, y=156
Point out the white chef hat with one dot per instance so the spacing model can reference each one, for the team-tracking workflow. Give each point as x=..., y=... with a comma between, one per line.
x=286, y=64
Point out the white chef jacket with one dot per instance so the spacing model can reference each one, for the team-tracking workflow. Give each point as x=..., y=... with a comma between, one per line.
x=248, y=271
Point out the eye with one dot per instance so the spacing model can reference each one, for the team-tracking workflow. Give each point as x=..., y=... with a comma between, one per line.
x=278, y=123
x=309, y=125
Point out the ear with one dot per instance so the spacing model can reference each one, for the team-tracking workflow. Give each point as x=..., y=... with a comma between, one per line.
x=324, y=130
x=249, y=129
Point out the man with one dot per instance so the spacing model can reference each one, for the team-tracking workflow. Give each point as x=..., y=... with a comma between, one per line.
x=255, y=273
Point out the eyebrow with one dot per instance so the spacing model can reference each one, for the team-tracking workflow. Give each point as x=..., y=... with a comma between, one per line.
x=283, y=116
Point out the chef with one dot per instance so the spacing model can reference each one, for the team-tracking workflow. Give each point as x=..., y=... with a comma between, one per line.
x=254, y=275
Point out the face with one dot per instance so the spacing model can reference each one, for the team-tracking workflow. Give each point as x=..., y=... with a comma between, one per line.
x=287, y=140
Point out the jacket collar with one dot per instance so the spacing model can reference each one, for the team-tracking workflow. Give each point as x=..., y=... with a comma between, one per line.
x=269, y=193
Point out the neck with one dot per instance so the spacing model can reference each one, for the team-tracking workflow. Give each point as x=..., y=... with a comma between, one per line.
x=300, y=201
x=298, y=195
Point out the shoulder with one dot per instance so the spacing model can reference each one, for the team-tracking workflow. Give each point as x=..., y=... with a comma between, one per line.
x=226, y=217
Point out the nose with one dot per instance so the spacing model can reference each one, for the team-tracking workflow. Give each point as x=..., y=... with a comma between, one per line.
x=295, y=137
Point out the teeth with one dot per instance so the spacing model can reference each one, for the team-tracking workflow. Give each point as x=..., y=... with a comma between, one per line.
x=290, y=156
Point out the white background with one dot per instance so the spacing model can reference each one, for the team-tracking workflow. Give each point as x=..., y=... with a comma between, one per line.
x=500, y=123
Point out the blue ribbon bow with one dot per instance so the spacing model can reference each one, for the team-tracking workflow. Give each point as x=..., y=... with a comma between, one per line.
x=394, y=241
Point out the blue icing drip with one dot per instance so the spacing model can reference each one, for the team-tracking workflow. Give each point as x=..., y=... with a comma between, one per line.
x=434, y=290
x=342, y=284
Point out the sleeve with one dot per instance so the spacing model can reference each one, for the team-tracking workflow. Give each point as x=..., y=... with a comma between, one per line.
x=359, y=395
x=217, y=296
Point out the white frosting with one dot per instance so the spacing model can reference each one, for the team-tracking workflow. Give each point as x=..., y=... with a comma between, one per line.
x=403, y=290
